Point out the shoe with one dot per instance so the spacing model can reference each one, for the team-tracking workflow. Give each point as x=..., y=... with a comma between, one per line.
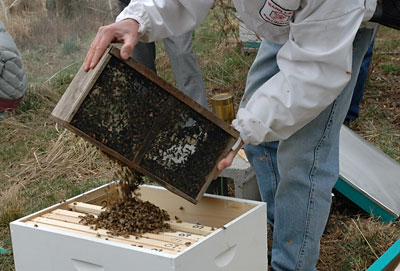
x=387, y=13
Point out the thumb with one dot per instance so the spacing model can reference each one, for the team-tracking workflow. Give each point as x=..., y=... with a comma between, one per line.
x=127, y=47
x=126, y=51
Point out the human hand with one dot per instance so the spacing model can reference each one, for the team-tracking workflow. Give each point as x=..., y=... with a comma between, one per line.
x=227, y=161
x=125, y=31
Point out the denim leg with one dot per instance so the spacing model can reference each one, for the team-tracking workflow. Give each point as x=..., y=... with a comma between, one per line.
x=308, y=163
x=263, y=157
x=186, y=68
x=262, y=69
x=263, y=161
x=358, y=92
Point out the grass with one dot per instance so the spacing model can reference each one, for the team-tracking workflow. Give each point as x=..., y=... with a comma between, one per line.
x=41, y=163
x=69, y=46
x=391, y=69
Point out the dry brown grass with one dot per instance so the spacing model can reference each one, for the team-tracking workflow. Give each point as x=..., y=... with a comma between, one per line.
x=353, y=240
x=68, y=156
x=32, y=25
x=12, y=207
x=355, y=243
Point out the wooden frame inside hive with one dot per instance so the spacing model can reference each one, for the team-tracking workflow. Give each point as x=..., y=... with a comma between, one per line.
x=184, y=233
x=138, y=118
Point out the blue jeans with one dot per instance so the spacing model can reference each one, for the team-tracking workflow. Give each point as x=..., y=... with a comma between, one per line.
x=358, y=92
x=296, y=176
x=184, y=64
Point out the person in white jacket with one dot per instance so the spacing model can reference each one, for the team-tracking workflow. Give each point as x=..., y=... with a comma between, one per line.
x=299, y=101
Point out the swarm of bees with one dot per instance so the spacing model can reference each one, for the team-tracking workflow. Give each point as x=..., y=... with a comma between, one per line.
x=129, y=215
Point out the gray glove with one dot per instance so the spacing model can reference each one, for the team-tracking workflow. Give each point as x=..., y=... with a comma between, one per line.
x=12, y=74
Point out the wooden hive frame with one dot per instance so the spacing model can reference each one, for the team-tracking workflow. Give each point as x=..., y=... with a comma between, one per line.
x=147, y=124
x=181, y=236
x=184, y=233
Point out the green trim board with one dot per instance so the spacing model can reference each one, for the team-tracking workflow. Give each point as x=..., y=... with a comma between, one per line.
x=364, y=202
x=387, y=258
x=249, y=40
x=252, y=44
x=3, y=251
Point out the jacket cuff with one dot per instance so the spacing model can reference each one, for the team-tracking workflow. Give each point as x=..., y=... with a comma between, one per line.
x=138, y=14
x=252, y=131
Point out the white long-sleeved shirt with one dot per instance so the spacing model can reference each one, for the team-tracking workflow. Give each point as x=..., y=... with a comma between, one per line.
x=314, y=62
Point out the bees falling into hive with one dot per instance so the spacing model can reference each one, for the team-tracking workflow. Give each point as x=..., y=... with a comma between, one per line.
x=129, y=215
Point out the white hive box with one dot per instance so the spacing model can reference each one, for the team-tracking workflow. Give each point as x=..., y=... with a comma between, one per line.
x=219, y=233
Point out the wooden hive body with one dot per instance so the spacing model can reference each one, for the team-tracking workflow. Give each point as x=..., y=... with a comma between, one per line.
x=133, y=115
x=217, y=234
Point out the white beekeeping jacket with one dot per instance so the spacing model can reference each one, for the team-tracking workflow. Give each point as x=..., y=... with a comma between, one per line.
x=314, y=62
